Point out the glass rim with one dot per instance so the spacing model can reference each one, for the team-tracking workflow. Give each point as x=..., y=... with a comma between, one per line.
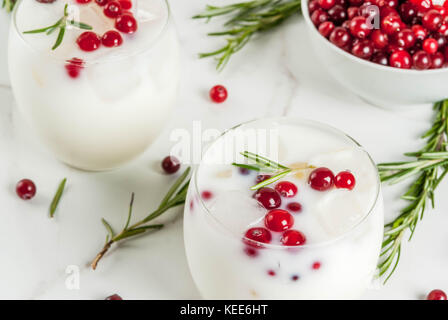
x=144, y=50
x=298, y=121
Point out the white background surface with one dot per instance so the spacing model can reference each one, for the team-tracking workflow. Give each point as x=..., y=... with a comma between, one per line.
x=277, y=74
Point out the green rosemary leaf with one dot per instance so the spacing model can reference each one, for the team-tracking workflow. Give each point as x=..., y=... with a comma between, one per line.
x=131, y=204
x=57, y=197
x=59, y=38
x=108, y=227
x=247, y=166
x=271, y=180
x=80, y=25
x=175, y=187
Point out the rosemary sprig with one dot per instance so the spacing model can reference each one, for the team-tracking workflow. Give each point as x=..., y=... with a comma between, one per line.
x=60, y=25
x=8, y=5
x=246, y=20
x=429, y=168
x=265, y=165
x=57, y=197
x=175, y=197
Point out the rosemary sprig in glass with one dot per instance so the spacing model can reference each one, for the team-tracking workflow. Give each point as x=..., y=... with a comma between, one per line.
x=175, y=197
x=428, y=169
x=60, y=25
x=246, y=20
x=263, y=164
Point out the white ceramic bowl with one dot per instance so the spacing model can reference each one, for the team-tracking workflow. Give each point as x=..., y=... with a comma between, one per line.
x=379, y=85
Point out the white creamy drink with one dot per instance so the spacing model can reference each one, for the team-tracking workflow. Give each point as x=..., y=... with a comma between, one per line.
x=103, y=95
x=315, y=233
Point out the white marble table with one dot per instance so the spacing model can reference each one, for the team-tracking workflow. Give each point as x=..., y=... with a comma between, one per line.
x=277, y=74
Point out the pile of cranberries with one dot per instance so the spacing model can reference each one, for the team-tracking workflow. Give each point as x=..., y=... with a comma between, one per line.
x=280, y=220
x=412, y=34
x=90, y=41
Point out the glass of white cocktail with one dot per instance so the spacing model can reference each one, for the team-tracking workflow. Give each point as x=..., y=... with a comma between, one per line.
x=302, y=219
x=102, y=94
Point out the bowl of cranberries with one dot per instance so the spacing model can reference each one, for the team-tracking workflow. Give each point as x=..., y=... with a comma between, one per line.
x=389, y=52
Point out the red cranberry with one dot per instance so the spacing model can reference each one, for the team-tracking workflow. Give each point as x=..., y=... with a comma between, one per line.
x=400, y=59
x=256, y=235
x=319, y=16
x=83, y=1
x=278, y=220
x=114, y=297
x=405, y=38
x=352, y=12
x=443, y=30
x=126, y=23
x=206, y=195
x=295, y=277
x=386, y=11
x=74, y=67
x=170, y=164
x=326, y=28
x=342, y=3
x=345, y=180
x=340, y=37
x=363, y=49
x=218, y=94
x=244, y=171
x=430, y=45
x=359, y=27
x=441, y=9
x=321, y=179
x=356, y=3
x=326, y=4
x=112, y=9
x=337, y=14
x=271, y=273
x=441, y=40
x=126, y=4
x=112, y=39
x=102, y=2
x=436, y=295
x=391, y=24
x=316, y=265
x=422, y=5
x=26, y=189
x=432, y=20
x=391, y=48
x=294, y=207
x=88, y=41
x=421, y=60
x=380, y=58
x=313, y=6
x=293, y=238
x=438, y=60
x=408, y=11
x=262, y=177
x=251, y=252
x=268, y=198
x=286, y=189
x=379, y=39
x=446, y=53
x=419, y=32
